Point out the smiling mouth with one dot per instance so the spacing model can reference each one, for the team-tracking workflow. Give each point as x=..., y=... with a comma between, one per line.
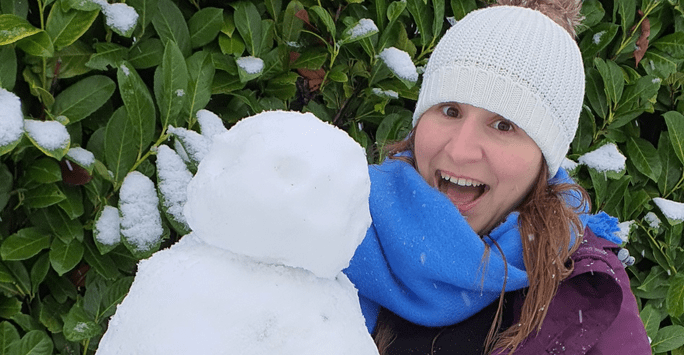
x=462, y=192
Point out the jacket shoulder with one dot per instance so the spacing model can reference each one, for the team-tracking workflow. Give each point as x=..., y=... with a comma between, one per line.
x=594, y=310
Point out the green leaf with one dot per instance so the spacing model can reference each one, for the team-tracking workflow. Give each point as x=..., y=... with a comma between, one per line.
x=113, y=296
x=65, y=256
x=394, y=126
x=326, y=19
x=626, y=9
x=595, y=92
x=38, y=44
x=73, y=205
x=171, y=26
x=659, y=64
x=170, y=84
x=50, y=314
x=65, y=27
x=311, y=59
x=61, y=288
x=148, y=53
x=205, y=25
x=248, y=24
x=644, y=157
x=651, y=318
x=36, y=342
x=672, y=44
x=146, y=10
x=24, y=244
x=107, y=54
x=615, y=195
x=231, y=45
x=423, y=18
x=599, y=183
x=675, y=128
x=16, y=7
x=596, y=39
x=84, y=97
x=274, y=7
x=201, y=70
x=102, y=264
x=613, y=80
x=44, y=171
x=353, y=34
x=672, y=167
x=8, y=335
x=224, y=83
x=644, y=89
x=71, y=59
x=9, y=307
x=121, y=144
x=668, y=338
x=292, y=25
x=437, y=17
x=78, y=325
x=140, y=110
x=18, y=28
x=55, y=221
x=461, y=8
x=675, y=296
x=593, y=12
x=8, y=67
x=43, y=196
x=50, y=137
x=38, y=272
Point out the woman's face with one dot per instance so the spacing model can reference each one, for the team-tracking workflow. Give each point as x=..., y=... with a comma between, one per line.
x=484, y=163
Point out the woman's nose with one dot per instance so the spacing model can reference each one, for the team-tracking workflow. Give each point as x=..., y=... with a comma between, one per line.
x=466, y=141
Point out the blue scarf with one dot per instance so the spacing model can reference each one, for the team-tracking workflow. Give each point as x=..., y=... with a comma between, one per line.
x=421, y=260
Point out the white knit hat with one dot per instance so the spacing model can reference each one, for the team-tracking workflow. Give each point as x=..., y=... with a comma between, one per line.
x=515, y=62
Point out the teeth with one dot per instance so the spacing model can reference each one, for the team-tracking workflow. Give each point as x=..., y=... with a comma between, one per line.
x=461, y=181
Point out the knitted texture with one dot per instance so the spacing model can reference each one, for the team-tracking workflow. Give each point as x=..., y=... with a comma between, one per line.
x=515, y=62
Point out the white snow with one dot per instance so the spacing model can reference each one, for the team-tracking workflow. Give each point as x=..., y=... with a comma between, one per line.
x=140, y=218
x=452, y=20
x=119, y=15
x=652, y=220
x=362, y=28
x=11, y=118
x=210, y=123
x=605, y=158
x=81, y=156
x=400, y=63
x=597, y=37
x=385, y=93
x=50, y=135
x=277, y=209
x=671, y=209
x=178, y=147
x=282, y=181
x=125, y=69
x=107, y=230
x=252, y=65
x=180, y=92
x=194, y=144
x=174, y=177
x=623, y=233
x=568, y=164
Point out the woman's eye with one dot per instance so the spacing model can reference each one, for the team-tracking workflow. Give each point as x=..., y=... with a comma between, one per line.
x=450, y=111
x=503, y=125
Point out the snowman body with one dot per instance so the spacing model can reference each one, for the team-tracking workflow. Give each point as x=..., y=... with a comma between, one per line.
x=274, y=222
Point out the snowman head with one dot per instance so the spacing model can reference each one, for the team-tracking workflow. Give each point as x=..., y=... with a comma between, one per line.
x=283, y=188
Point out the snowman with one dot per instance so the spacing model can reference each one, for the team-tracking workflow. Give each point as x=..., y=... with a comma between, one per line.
x=277, y=209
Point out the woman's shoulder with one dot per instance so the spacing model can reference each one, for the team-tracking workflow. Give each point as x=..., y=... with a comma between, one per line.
x=594, y=310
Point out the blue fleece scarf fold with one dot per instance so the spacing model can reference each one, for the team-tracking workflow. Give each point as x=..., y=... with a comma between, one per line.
x=421, y=260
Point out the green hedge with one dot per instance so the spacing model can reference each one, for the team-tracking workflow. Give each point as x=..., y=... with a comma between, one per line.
x=115, y=90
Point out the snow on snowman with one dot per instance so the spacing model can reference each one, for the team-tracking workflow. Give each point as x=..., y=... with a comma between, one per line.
x=277, y=209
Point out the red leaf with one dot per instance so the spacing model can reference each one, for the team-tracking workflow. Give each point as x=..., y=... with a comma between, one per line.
x=78, y=276
x=303, y=15
x=313, y=77
x=642, y=41
x=73, y=174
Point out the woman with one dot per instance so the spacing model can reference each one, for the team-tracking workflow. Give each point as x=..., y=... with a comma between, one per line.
x=473, y=204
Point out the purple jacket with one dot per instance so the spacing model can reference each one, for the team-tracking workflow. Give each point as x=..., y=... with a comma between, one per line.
x=594, y=311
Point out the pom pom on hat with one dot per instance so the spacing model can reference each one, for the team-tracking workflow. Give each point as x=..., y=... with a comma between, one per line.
x=515, y=62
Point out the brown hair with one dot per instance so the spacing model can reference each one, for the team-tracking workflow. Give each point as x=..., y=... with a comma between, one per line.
x=548, y=218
